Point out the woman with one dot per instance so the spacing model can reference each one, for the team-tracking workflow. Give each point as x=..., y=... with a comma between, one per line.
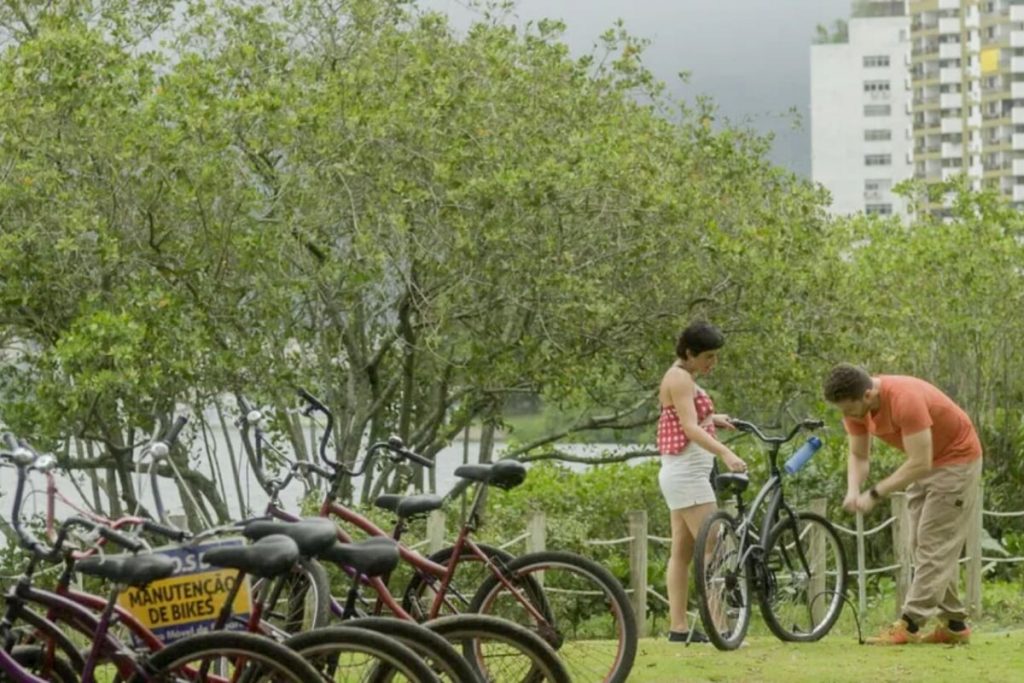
x=688, y=445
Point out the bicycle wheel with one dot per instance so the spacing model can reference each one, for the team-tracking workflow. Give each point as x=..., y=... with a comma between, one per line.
x=220, y=656
x=418, y=597
x=440, y=655
x=346, y=654
x=49, y=667
x=574, y=604
x=299, y=601
x=723, y=581
x=806, y=578
x=500, y=651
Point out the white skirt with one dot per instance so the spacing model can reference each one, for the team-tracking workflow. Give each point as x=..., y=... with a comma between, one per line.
x=685, y=477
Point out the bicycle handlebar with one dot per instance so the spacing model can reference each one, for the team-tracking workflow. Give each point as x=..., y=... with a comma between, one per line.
x=809, y=424
x=394, y=444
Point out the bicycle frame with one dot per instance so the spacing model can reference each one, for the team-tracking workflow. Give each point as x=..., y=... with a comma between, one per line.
x=770, y=495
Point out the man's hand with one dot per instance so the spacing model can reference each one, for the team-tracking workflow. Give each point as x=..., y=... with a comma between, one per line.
x=850, y=502
x=865, y=503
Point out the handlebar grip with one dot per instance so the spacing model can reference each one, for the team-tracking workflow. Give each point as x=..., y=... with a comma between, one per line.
x=396, y=445
x=170, y=532
x=172, y=435
x=244, y=404
x=123, y=540
x=813, y=423
x=312, y=400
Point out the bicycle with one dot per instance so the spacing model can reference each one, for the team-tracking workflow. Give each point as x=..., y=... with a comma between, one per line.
x=235, y=656
x=513, y=583
x=340, y=653
x=794, y=562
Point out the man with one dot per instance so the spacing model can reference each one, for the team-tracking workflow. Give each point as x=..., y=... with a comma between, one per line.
x=940, y=475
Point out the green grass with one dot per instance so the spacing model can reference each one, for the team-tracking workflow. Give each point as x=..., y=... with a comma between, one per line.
x=992, y=656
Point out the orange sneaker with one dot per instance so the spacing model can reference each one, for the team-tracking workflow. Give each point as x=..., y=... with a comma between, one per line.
x=897, y=634
x=946, y=636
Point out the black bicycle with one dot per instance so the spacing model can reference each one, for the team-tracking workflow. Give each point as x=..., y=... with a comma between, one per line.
x=792, y=561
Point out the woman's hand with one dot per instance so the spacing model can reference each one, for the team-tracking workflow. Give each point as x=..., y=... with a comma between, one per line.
x=734, y=462
x=722, y=421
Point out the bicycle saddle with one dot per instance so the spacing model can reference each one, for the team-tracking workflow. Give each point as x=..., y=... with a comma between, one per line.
x=270, y=556
x=407, y=506
x=505, y=474
x=373, y=557
x=133, y=570
x=732, y=483
x=313, y=535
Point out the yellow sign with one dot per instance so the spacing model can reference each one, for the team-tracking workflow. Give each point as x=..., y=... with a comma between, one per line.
x=191, y=600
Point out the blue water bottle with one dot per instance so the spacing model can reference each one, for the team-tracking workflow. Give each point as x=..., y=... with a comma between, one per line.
x=800, y=458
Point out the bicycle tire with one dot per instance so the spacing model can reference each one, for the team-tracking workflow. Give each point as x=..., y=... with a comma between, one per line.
x=377, y=657
x=732, y=588
x=489, y=643
x=795, y=591
x=571, y=594
x=417, y=598
x=265, y=659
x=440, y=654
x=51, y=667
x=304, y=602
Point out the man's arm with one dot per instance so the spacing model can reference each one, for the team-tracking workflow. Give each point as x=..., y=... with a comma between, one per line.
x=857, y=467
x=918, y=447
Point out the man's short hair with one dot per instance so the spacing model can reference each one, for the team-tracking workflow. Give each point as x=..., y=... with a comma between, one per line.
x=846, y=382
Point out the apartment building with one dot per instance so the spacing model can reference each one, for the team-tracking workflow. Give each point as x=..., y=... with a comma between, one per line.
x=861, y=115
x=950, y=98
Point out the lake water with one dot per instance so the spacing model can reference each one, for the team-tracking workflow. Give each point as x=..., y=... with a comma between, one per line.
x=447, y=460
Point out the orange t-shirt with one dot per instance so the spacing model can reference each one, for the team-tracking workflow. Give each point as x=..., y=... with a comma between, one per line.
x=909, y=405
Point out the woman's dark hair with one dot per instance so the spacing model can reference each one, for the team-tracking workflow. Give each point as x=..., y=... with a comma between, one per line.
x=698, y=337
x=846, y=382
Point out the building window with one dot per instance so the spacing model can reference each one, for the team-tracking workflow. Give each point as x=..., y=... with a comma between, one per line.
x=876, y=86
x=877, y=110
x=877, y=159
x=878, y=134
x=878, y=209
x=872, y=61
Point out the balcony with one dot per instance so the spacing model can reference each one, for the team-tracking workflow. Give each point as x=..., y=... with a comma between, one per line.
x=1017, y=90
x=951, y=126
x=949, y=24
x=1017, y=64
x=1018, y=167
x=953, y=74
x=1017, y=39
x=951, y=100
x=952, y=149
x=949, y=50
x=1017, y=118
x=1017, y=141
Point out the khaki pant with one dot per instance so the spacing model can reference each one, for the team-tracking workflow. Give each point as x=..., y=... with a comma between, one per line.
x=939, y=505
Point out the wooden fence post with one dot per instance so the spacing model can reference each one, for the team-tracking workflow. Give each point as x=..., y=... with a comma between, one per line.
x=536, y=529
x=973, y=551
x=862, y=596
x=435, y=530
x=817, y=587
x=901, y=549
x=638, y=567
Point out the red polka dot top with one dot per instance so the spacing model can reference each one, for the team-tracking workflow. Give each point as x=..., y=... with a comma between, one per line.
x=671, y=437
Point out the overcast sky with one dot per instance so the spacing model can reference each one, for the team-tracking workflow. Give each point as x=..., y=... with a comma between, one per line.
x=751, y=56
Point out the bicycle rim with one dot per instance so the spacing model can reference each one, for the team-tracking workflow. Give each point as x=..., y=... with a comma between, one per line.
x=578, y=608
x=723, y=582
x=223, y=657
x=806, y=578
